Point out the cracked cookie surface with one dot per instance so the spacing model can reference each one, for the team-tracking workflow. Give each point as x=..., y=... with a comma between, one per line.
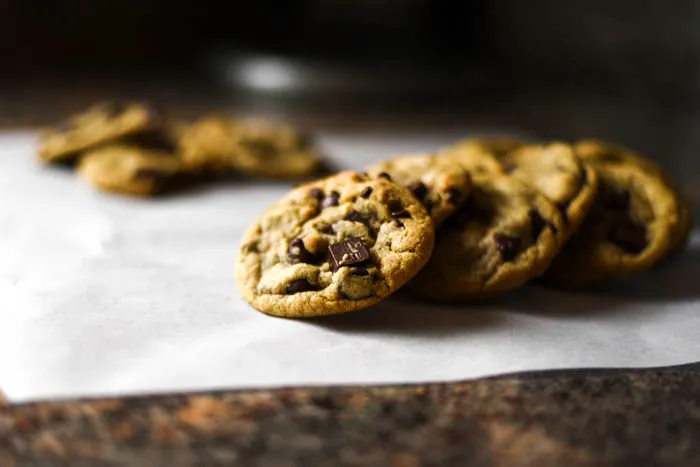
x=259, y=148
x=130, y=170
x=335, y=245
x=441, y=185
x=505, y=234
x=100, y=124
x=636, y=221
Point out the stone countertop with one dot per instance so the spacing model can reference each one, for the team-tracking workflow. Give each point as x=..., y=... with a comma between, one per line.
x=584, y=417
x=573, y=418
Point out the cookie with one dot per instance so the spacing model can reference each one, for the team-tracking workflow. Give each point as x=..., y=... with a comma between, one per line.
x=441, y=185
x=254, y=147
x=130, y=170
x=559, y=174
x=636, y=221
x=103, y=123
x=497, y=146
x=335, y=245
x=505, y=234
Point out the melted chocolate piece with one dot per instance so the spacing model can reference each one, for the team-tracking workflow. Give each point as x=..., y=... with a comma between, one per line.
x=366, y=192
x=251, y=247
x=384, y=175
x=298, y=253
x=453, y=195
x=398, y=223
x=347, y=253
x=537, y=223
x=330, y=200
x=300, y=285
x=397, y=210
x=418, y=189
x=428, y=205
x=629, y=236
x=359, y=272
x=507, y=245
x=316, y=193
x=355, y=216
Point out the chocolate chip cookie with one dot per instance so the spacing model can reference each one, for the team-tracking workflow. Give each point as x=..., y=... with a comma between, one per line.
x=130, y=170
x=559, y=174
x=505, y=234
x=497, y=146
x=335, y=245
x=103, y=123
x=255, y=147
x=441, y=185
x=636, y=221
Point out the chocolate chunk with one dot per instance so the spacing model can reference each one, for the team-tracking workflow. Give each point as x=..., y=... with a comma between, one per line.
x=398, y=223
x=355, y=216
x=617, y=200
x=347, y=253
x=418, y=189
x=384, y=175
x=316, y=193
x=563, y=210
x=397, y=210
x=330, y=200
x=507, y=245
x=250, y=247
x=428, y=205
x=298, y=253
x=300, y=285
x=366, y=192
x=453, y=195
x=327, y=229
x=359, y=272
x=537, y=223
x=629, y=236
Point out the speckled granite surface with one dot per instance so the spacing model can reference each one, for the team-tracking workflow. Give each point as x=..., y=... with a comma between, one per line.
x=581, y=418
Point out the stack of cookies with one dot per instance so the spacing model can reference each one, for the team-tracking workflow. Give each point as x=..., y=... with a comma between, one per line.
x=473, y=221
x=133, y=149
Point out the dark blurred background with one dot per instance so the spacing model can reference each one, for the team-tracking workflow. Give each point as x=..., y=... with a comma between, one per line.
x=620, y=69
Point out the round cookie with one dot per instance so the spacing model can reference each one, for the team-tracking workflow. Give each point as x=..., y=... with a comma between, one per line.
x=557, y=173
x=255, y=147
x=497, y=146
x=475, y=157
x=603, y=152
x=634, y=223
x=505, y=234
x=130, y=170
x=102, y=123
x=334, y=245
x=440, y=184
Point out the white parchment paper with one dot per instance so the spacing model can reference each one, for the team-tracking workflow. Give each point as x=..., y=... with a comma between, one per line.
x=103, y=295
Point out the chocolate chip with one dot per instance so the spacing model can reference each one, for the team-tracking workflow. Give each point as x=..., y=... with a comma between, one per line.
x=453, y=195
x=629, y=236
x=251, y=247
x=428, y=205
x=316, y=193
x=617, y=200
x=354, y=216
x=537, y=223
x=397, y=210
x=418, y=189
x=347, y=253
x=327, y=229
x=507, y=245
x=384, y=175
x=364, y=174
x=366, y=192
x=330, y=200
x=398, y=223
x=297, y=252
x=300, y=285
x=359, y=272
x=563, y=210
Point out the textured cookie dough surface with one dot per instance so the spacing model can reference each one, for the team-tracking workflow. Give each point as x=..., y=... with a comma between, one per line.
x=505, y=234
x=335, y=245
x=100, y=124
x=130, y=170
x=557, y=173
x=255, y=147
x=636, y=221
x=441, y=185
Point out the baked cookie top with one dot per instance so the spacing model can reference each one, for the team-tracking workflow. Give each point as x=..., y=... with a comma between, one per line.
x=130, y=170
x=334, y=245
x=100, y=124
x=636, y=221
x=559, y=174
x=440, y=184
x=256, y=147
x=505, y=234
